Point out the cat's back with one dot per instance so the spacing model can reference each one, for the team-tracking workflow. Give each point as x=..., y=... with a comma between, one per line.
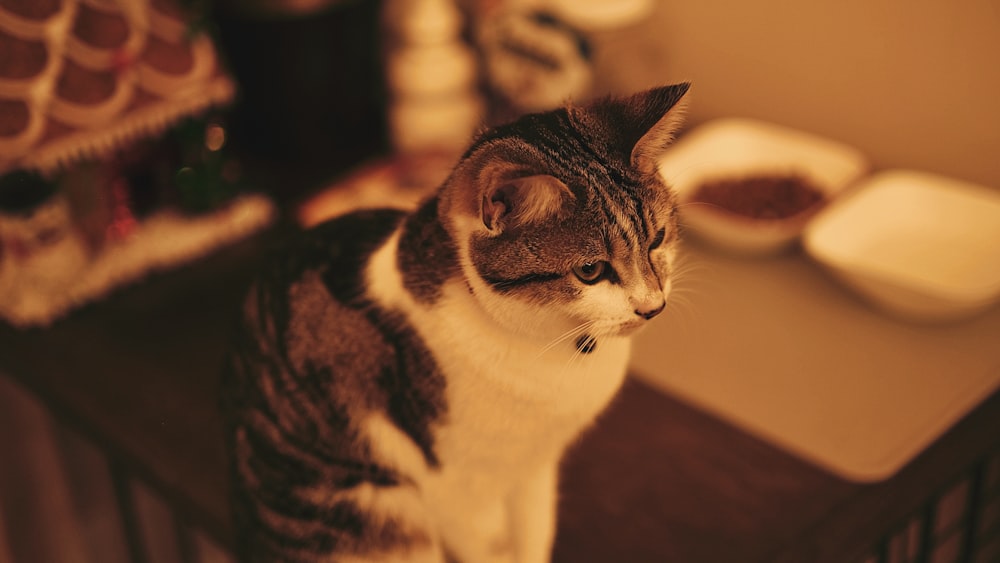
x=314, y=367
x=305, y=323
x=335, y=251
x=314, y=282
x=310, y=338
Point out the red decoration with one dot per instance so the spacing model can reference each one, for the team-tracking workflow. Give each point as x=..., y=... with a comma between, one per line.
x=123, y=221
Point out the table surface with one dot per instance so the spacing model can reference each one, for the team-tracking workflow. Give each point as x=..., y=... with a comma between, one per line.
x=656, y=479
x=779, y=348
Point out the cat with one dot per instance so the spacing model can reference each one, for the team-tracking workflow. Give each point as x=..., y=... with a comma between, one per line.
x=403, y=385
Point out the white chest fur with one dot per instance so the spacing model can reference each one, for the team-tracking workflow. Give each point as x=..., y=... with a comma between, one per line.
x=512, y=401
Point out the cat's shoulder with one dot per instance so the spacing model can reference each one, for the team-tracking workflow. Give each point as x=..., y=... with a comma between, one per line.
x=336, y=250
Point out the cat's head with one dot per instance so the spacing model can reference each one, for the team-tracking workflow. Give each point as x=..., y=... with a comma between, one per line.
x=562, y=220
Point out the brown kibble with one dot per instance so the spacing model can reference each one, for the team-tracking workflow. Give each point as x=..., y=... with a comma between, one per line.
x=760, y=197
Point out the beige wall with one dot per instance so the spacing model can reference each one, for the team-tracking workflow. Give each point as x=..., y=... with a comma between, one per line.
x=913, y=83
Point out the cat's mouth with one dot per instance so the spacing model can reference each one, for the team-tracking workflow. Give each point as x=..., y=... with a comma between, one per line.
x=587, y=343
x=622, y=329
x=631, y=327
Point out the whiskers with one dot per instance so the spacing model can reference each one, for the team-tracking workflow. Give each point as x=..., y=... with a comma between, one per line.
x=584, y=339
x=590, y=341
x=697, y=203
x=685, y=226
x=580, y=330
x=688, y=278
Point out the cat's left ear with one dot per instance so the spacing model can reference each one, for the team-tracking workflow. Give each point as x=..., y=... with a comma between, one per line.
x=642, y=125
x=666, y=107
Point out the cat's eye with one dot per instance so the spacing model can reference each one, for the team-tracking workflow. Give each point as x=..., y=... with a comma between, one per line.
x=591, y=272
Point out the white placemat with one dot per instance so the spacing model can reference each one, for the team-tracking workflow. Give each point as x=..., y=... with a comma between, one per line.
x=777, y=348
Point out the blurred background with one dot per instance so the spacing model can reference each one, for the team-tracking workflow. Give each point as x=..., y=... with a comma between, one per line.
x=909, y=83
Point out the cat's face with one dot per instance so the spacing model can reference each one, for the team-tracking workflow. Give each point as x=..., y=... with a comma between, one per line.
x=570, y=226
x=605, y=263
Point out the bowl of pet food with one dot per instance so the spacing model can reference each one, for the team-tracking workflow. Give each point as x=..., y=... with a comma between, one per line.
x=919, y=246
x=750, y=187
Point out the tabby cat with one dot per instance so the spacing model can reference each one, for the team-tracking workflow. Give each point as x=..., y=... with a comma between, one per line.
x=403, y=385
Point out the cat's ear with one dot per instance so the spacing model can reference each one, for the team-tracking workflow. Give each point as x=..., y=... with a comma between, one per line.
x=641, y=125
x=522, y=199
x=504, y=184
x=666, y=106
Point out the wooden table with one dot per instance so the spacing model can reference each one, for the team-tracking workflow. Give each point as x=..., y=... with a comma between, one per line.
x=655, y=480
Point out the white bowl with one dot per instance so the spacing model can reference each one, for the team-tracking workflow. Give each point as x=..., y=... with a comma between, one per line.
x=919, y=246
x=738, y=149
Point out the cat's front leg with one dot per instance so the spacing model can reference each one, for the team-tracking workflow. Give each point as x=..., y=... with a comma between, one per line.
x=533, y=508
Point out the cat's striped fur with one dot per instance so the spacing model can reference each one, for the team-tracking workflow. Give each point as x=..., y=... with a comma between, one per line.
x=403, y=386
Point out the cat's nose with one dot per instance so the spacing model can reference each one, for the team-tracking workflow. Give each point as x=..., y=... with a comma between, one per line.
x=650, y=313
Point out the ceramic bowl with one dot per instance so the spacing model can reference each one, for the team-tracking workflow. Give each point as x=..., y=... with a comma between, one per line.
x=739, y=152
x=919, y=246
